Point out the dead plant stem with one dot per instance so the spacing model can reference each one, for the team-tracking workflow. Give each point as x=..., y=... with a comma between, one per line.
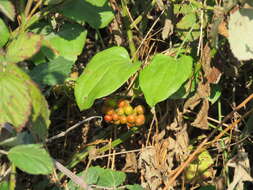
x=199, y=149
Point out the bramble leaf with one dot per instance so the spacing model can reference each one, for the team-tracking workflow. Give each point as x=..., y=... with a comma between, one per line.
x=4, y=33
x=31, y=158
x=23, y=47
x=15, y=102
x=7, y=8
x=97, y=13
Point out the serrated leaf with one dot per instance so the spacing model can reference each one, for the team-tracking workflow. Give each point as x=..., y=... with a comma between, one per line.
x=15, y=102
x=111, y=178
x=163, y=77
x=240, y=33
x=31, y=158
x=68, y=42
x=23, y=47
x=53, y=72
x=39, y=119
x=97, y=13
x=7, y=8
x=134, y=187
x=104, y=74
x=4, y=33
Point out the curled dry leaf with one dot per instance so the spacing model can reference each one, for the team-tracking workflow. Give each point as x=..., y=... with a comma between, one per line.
x=241, y=164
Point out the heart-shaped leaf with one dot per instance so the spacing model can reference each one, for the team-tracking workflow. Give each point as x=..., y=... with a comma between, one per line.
x=31, y=158
x=164, y=76
x=4, y=33
x=97, y=13
x=7, y=8
x=24, y=47
x=104, y=74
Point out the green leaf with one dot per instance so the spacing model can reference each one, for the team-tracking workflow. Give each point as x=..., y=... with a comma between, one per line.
x=215, y=93
x=104, y=74
x=111, y=178
x=184, y=26
x=68, y=42
x=31, y=158
x=134, y=187
x=4, y=33
x=240, y=33
x=7, y=8
x=23, y=47
x=15, y=102
x=53, y=72
x=90, y=177
x=4, y=185
x=39, y=120
x=97, y=13
x=163, y=77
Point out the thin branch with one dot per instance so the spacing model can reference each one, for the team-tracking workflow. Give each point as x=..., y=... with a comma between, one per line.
x=62, y=134
x=76, y=179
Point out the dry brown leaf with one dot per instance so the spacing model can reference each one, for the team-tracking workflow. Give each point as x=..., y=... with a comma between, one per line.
x=157, y=162
x=201, y=119
x=222, y=29
x=201, y=96
x=131, y=163
x=242, y=170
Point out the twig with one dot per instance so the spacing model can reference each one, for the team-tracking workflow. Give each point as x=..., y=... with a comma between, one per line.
x=3, y=152
x=72, y=176
x=181, y=168
x=62, y=134
x=122, y=152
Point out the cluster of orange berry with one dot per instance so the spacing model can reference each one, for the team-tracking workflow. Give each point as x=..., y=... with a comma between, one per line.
x=121, y=112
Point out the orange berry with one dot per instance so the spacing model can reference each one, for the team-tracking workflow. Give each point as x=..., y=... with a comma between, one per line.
x=131, y=118
x=140, y=120
x=139, y=109
x=108, y=118
x=123, y=119
x=115, y=117
x=122, y=103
